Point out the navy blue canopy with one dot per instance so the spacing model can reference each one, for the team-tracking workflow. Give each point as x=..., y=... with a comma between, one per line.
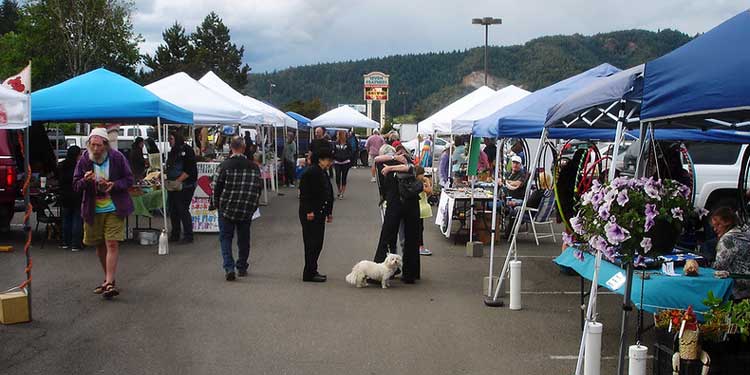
x=101, y=95
x=709, y=77
x=301, y=120
x=525, y=118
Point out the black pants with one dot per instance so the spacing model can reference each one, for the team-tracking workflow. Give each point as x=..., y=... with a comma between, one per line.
x=313, y=233
x=394, y=213
x=179, y=212
x=290, y=172
x=420, y=236
x=342, y=170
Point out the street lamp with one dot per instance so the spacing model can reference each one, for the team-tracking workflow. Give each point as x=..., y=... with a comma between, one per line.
x=486, y=22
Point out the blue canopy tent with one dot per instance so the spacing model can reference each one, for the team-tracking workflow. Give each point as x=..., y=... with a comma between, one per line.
x=705, y=82
x=101, y=95
x=702, y=84
x=303, y=123
x=104, y=96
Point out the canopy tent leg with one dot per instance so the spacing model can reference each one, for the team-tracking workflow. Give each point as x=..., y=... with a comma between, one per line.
x=512, y=249
x=263, y=162
x=27, y=205
x=275, y=160
x=161, y=176
x=471, y=204
x=432, y=156
x=488, y=300
x=591, y=309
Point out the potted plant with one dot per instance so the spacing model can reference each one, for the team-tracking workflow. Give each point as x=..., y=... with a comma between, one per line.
x=631, y=217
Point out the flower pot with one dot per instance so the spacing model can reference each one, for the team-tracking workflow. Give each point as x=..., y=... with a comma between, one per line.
x=664, y=236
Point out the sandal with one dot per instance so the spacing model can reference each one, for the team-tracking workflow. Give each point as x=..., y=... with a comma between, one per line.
x=100, y=289
x=110, y=291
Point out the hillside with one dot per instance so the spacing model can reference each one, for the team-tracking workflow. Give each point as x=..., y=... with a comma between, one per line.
x=434, y=79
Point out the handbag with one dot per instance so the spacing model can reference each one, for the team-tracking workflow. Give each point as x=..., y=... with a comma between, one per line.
x=173, y=185
x=409, y=186
x=425, y=211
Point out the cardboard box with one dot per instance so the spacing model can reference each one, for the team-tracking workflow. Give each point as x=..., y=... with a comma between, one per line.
x=14, y=308
x=474, y=249
x=6, y=249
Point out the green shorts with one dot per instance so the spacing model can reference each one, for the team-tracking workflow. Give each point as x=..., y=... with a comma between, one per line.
x=106, y=227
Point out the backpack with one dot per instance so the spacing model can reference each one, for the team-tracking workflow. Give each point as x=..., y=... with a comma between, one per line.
x=409, y=186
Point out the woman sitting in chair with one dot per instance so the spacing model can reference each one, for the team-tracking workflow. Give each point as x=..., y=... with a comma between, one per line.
x=732, y=250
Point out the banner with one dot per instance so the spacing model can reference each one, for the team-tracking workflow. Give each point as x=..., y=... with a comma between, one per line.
x=20, y=82
x=474, y=150
x=203, y=219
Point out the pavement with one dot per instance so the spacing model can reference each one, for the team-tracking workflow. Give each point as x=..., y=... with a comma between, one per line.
x=177, y=314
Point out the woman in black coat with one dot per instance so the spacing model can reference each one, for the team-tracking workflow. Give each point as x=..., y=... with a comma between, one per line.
x=70, y=202
x=315, y=210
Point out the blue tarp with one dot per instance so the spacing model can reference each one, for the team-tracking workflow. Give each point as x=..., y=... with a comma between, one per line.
x=301, y=120
x=525, y=118
x=101, y=95
x=709, y=77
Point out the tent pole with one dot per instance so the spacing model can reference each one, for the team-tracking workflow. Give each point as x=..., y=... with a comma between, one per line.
x=432, y=157
x=263, y=160
x=512, y=249
x=26, y=200
x=494, y=219
x=275, y=161
x=450, y=162
x=471, y=204
x=161, y=176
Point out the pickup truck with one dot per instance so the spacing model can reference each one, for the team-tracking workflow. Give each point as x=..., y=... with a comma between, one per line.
x=9, y=187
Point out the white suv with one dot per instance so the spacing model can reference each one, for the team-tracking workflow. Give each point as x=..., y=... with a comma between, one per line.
x=717, y=171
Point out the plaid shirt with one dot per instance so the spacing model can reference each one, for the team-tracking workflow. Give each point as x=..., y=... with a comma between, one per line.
x=237, y=187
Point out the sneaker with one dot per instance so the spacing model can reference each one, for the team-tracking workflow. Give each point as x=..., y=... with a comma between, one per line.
x=76, y=249
x=230, y=276
x=372, y=179
x=241, y=273
x=65, y=246
x=425, y=252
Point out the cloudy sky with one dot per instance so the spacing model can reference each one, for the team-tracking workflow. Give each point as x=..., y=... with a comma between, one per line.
x=282, y=33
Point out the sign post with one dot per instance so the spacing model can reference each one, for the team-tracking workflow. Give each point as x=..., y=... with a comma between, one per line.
x=376, y=88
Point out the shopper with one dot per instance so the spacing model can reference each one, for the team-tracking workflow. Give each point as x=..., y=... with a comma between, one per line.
x=72, y=226
x=290, y=159
x=137, y=162
x=182, y=173
x=315, y=210
x=342, y=154
x=398, y=208
x=236, y=192
x=373, y=144
x=425, y=211
x=354, y=146
x=103, y=177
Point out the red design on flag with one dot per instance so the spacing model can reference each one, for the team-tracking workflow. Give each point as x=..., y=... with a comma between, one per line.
x=20, y=82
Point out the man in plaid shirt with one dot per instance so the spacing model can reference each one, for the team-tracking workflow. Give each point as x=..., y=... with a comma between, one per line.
x=237, y=188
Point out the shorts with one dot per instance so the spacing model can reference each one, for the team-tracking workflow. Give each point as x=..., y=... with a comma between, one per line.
x=106, y=227
x=370, y=160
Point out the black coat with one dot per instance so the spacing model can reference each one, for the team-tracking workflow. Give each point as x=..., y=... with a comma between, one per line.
x=69, y=198
x=316, y=192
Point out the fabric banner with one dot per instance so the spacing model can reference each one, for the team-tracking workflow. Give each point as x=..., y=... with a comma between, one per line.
x=476, y=143
x=20, y=82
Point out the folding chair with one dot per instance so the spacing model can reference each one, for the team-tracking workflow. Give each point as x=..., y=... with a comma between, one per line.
x=46, y=215
x=541, y=216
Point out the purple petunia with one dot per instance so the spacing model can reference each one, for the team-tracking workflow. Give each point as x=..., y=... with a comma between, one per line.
x=652, y=189
x=639, y=261
x=677, y=213
x=609, y=253
x=648, y=224
x=604, y=211
x=598, y=243
x=615, y=233
x=577, y=224
x=701, y=212
x=578, y=253
x=620, y=182
x=646, y=244
x=568, y=239
x=622, y=198
x=684, y=190
x=597, y=199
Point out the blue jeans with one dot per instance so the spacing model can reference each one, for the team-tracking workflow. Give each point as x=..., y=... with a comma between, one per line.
x=226, y=234
x=72, y=227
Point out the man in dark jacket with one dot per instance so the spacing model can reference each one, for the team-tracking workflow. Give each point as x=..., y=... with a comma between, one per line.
x=315, y=209
x=103, y=177
x=236, y=192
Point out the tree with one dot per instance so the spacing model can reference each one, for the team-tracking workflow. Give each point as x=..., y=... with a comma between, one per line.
x=9, y=16
x=311, y=109
x=214, y=51
x=65, y=38
x=172, y=56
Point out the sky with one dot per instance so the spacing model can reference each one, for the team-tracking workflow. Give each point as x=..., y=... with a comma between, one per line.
x=278, y=34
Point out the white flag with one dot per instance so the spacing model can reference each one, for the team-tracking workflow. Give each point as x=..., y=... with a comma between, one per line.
x=20, y=82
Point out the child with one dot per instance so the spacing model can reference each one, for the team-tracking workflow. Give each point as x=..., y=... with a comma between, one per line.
x=425, y=211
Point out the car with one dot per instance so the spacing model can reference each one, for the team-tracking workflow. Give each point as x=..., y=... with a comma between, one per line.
x=717, y=172
x=9, y=186
x=440, y=145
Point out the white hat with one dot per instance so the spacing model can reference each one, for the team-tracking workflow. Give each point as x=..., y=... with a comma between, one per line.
x=516, y=159
x=100, y=132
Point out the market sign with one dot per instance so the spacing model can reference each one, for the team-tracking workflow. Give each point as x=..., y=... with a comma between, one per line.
x=376, y=79
x=376, y=93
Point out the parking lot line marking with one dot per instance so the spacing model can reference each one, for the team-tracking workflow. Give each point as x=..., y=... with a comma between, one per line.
x=575, y=357
x=564, y=292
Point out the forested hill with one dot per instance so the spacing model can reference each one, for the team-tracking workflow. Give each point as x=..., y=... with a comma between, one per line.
x=432, y=80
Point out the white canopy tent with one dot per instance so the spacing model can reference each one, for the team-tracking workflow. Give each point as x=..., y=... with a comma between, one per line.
x=464, y=123
x=14, y=109
x=207, y=106
x=268, y=114
x=442, y=121
x=344, y=117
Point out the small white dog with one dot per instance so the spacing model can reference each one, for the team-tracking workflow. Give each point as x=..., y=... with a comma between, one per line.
x=376, y=271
